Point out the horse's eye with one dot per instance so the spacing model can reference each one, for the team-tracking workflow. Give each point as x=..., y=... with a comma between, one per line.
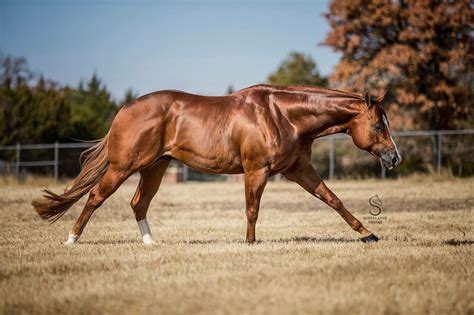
x=378, y=128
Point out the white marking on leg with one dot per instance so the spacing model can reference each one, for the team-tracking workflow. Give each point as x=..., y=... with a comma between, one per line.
x=71, y=240
x=145, y=231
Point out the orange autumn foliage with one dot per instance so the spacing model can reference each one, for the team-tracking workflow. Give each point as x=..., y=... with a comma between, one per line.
x=421, y=51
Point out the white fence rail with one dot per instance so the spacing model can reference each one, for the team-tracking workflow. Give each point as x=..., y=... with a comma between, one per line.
x=13, y=161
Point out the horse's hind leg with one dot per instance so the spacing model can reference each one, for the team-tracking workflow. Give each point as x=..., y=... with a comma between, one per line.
x=112, y=179
x=150, y=180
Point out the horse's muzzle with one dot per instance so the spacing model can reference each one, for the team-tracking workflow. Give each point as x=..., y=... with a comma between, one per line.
x=390, y=158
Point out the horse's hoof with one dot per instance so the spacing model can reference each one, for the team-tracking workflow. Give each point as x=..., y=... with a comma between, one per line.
x=371, y=238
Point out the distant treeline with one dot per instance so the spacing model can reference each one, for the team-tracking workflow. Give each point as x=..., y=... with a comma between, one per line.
x=418, y=52
x=37, y=110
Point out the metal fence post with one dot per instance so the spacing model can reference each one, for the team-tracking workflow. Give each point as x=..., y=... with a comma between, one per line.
x=331, y=158
x=17, y=165
x=56, y=160
x=185, y=173
x=439, y=153
x=18, y=161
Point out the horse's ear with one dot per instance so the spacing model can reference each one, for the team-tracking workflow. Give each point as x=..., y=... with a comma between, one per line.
x=367, y=99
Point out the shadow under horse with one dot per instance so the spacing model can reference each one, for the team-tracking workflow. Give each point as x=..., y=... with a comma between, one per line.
x=259, y=131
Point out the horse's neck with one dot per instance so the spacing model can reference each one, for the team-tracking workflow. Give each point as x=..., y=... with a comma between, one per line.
x=321, y=117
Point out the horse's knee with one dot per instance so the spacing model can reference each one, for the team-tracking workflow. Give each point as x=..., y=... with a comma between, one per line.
x=335, y=203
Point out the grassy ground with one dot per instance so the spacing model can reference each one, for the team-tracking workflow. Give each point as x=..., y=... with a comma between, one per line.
x=307, y=259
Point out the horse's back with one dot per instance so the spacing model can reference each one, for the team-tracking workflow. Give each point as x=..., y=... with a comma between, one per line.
x=198, y=130
x=209, y=133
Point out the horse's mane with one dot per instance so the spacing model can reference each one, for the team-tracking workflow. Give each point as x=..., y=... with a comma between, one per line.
x=327, y=92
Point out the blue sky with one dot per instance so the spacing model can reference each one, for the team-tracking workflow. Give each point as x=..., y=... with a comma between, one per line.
x=196, y=46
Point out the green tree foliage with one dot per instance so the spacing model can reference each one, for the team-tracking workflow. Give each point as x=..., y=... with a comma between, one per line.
x=91, y=108
x=14, y=94
x=230, y=89
x=39, y=110
x=422, y=50
x=130, y=95
x=297, y=69
x=43, y=114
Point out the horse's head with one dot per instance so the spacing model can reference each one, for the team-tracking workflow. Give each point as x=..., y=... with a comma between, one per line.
x=370, y=131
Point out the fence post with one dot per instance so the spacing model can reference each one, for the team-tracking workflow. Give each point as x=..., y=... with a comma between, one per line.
x=185, y=173
x=331, y=158
x=17, y=165
x=439, y=153
x=56, y=160
x=383, y=171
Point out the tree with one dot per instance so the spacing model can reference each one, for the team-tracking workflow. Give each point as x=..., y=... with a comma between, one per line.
x=230, y=89
x=45, y=115
x=92, y=110
x=35, y=110
x=421, y=50
x=15, y=95
x=297, y=69
x=130, y=95
x=15, y=72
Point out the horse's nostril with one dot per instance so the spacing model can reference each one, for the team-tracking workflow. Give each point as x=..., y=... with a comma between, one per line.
x=394, y=160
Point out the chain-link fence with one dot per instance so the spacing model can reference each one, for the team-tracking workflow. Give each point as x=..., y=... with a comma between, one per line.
x=333, y=156
x=422, y=151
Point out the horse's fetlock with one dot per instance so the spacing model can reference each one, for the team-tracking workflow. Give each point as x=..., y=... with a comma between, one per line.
x=356, y=226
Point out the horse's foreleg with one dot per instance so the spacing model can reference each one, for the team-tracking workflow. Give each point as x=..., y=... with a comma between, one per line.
x=107, y=186
x=150, y=180
x=310, y=180
x=255, y=182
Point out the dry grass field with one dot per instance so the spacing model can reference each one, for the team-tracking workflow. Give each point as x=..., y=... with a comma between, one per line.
x=307, y=259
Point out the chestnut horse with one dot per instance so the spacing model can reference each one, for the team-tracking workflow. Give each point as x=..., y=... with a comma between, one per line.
x=260, y=131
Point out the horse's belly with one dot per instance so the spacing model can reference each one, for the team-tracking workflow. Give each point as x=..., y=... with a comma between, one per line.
x=212, y=168
x=217, y=160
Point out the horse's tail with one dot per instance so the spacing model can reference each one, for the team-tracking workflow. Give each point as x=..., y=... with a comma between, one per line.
x=94, y=164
